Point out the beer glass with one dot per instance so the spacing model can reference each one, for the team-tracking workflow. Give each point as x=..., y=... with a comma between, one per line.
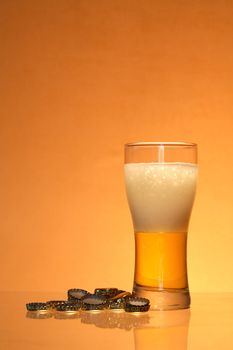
x=160, y=180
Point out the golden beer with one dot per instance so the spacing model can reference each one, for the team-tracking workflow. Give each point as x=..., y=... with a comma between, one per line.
x=161, y=259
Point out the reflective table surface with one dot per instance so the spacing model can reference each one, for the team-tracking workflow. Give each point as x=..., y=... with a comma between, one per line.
x=207, y=325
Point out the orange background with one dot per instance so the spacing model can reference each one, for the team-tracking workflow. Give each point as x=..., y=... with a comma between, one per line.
x=79, y=79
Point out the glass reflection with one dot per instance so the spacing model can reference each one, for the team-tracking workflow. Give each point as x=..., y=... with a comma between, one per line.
x=166, y=330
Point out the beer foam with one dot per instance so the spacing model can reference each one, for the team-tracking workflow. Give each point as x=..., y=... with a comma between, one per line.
x=160, y=195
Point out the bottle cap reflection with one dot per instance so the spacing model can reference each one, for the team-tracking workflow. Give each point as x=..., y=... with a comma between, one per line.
x=66, y=315
x=110, y=319
x=39, y=314
x=158, y=330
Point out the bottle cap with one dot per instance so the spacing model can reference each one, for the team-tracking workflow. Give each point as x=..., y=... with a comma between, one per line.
x=94, y=302
x=136, y=304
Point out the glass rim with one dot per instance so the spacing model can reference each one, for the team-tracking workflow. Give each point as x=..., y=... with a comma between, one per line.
x=157, y=144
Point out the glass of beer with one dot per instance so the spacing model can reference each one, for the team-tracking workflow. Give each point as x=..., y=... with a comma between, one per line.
x=160, y=180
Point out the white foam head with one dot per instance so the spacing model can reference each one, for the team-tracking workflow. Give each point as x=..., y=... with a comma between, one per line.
x=160, y=195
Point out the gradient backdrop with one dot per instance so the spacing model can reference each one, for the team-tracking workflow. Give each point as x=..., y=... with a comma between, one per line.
x=79, y=79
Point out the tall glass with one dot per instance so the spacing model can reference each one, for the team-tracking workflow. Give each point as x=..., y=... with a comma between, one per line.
x=160, y=182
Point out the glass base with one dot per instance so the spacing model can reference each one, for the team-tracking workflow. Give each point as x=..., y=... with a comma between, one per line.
x=164, y=299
